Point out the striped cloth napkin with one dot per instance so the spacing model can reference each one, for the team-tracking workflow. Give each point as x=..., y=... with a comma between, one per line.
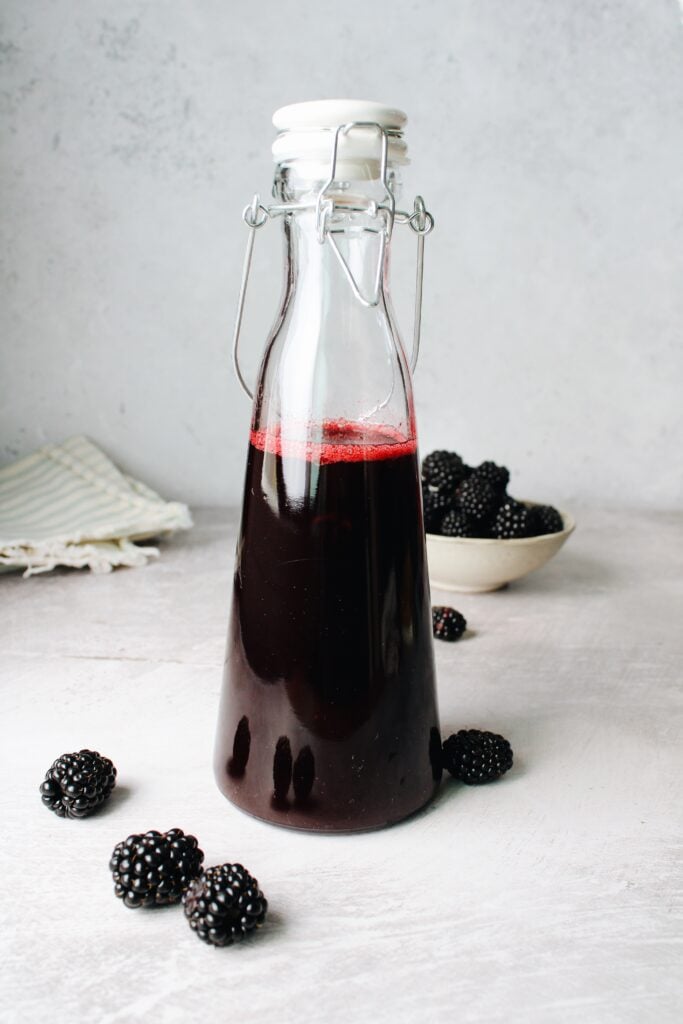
x=68, y=504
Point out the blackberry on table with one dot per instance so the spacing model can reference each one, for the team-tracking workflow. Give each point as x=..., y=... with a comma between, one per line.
x=456, y=524
x=78, y=784
x=544, y=519
x=497, y=476
x=154, y=869
x=443, y=470
x=475, y=757
x=511, y=521
x=477, y=498
x=224, y=904
x=447, y=623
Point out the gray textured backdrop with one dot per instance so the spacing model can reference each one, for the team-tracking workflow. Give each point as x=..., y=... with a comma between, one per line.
x=546, y=135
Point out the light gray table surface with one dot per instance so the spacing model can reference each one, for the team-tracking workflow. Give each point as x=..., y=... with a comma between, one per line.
x=548, y=897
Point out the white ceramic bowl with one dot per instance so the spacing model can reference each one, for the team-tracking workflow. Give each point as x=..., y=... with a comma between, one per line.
x=473, y=565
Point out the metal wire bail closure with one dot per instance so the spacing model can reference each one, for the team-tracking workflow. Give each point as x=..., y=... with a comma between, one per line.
x=255, y=215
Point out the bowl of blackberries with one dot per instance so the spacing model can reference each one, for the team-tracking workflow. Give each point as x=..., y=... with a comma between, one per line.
x=479, y=537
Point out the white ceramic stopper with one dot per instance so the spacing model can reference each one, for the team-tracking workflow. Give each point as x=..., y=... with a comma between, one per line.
x=306, y=136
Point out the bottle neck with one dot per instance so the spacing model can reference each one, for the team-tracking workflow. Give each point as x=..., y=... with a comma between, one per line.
x=348, y=259
x=340, y=226
x=334, y=354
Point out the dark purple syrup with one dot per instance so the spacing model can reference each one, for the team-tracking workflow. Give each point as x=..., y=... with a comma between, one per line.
x=328, y=719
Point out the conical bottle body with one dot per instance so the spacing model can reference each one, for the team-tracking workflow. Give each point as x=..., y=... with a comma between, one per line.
x=328, y=717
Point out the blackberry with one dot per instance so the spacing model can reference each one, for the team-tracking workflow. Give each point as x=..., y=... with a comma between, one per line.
x=511, y=521
x=477, y=498
x=497, y=476
x=224, y=904
x=475, y=757
x=435, y=505
x=443, y=470
x=447, y=623
x=77, y=784
x=544, y=519
x=456, y=524
x=154, y=869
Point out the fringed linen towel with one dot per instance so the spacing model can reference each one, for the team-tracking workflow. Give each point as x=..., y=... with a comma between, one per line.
x=69, y=505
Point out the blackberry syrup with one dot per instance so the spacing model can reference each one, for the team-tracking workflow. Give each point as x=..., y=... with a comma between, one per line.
x=328, y=719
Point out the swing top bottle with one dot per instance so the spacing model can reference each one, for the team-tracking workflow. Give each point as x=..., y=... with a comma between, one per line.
x=328, y=717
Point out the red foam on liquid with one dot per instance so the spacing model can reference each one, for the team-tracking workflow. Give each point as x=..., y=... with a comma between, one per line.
x=336, y=441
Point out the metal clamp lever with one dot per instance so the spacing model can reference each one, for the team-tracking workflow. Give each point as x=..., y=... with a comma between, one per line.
x=255, y=216
x=421, y=222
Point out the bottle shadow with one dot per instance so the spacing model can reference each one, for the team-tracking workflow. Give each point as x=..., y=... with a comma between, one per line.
x=451, y=789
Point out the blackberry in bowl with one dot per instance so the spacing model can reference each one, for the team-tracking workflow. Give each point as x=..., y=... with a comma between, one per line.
x=483, y=538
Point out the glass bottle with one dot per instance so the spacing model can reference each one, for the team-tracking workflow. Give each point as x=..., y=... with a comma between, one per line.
x=328, y=717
